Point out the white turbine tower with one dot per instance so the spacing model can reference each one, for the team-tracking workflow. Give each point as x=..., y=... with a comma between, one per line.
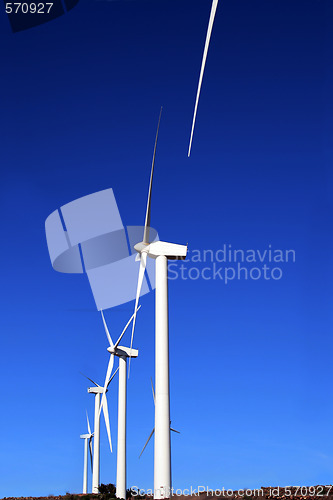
x=87, y=441
x=122, y=353
x=98, y=390
x=152, y=432
x=160, y=251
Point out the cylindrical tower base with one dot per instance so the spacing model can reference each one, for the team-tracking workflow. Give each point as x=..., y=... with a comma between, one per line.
x=162, y=451
x=95, y=480
x=85, y=467
x=121, y=444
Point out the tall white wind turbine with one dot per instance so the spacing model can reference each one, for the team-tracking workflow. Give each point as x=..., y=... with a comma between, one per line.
x=87, y=441
x=122, y=353
x=160, y=251
x=98, y=390
x=152, y=432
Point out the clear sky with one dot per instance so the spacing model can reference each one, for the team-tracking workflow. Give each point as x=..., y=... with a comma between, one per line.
x=251, y=360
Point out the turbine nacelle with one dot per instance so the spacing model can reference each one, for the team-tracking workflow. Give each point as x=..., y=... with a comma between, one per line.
x=96, y=390
x=122, y=351
x=157, y=248
x=86, y=436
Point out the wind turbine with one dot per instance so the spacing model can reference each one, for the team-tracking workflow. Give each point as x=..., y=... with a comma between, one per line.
x=98, y=390
x=203, y=64
x=122, y=353
x=160, y=251
x=152, y=432
x=87, y=440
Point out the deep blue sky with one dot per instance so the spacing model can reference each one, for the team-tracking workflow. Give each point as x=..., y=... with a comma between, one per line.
x=251, y=363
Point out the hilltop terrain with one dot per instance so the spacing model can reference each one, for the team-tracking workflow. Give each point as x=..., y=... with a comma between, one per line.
x=272, y=493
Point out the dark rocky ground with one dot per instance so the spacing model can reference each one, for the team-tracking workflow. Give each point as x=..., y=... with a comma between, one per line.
x=272, y=493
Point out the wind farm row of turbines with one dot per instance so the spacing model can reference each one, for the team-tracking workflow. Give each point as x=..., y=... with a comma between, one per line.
x=122, y=353
x=66, y=251
x=87, y=236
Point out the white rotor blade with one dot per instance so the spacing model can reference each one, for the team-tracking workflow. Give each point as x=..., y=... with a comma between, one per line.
x=91, y=453
x=107, y=330
x=107, y=378
x=89, y=430
x=143, y=262
x=204, y=57
x=124, y=330
x=147, y=219
x=107, y=421
x=150, y=435
x=90, y=379
x=152, y=388
x=112, y=376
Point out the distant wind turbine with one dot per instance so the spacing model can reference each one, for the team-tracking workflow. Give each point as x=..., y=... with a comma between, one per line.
x=122, y=353
x=98, y=390
x=87, y=440
x=203, y=63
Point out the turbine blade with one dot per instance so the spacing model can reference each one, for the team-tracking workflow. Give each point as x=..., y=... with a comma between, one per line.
x=107, y=330
x=174, y=430
x=150, y=435
x=127, y=325
x=143, y=262
x=107, y=378
x=90, y=452
x=107, y=421
x=203, y=63
x=90, y=379
x=112, y=376
x=147, y=220
x=152, y=388
x=89, y=430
